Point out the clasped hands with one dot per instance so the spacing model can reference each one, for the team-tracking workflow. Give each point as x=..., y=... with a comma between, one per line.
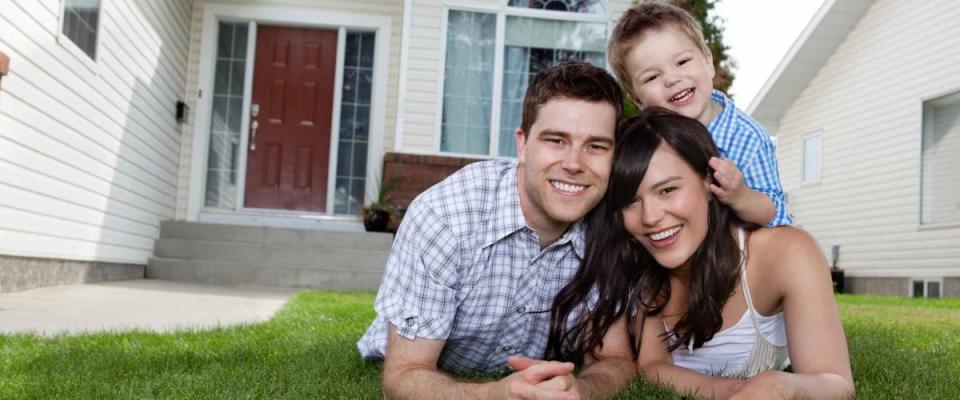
x=538, y=379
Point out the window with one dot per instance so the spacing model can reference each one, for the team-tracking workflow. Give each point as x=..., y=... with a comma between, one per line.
x=80, y=24
x=354, y=135
x=812, y=154
x=940, y=175
x=537, y=34
x=227, y=115
x=929, y=288
x=468, y=82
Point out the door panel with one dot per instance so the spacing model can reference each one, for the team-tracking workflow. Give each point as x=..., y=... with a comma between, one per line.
x=289, y=153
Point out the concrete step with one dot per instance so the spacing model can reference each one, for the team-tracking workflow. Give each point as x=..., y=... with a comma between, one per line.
x=273, y=254
x=286, y=236
x=251, y=274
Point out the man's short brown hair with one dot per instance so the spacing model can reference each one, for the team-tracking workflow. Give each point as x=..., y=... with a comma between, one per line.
x=648, y=15
x=575, y=80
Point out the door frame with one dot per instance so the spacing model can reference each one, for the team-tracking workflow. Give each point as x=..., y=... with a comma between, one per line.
x=292, y=16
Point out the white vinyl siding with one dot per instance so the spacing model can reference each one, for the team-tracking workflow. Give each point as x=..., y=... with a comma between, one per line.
x=389, y=8
x=88, y=149
x=867, y=100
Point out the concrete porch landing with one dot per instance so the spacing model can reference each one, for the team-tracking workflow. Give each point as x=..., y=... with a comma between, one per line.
x=144, y=304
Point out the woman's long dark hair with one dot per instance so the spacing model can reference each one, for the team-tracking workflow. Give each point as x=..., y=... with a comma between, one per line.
x=624, y=276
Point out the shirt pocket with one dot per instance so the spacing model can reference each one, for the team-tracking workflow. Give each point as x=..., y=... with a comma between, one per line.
x=481, y=314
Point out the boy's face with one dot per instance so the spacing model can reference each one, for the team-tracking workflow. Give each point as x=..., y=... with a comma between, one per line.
x=667, y=69
x=565, y=161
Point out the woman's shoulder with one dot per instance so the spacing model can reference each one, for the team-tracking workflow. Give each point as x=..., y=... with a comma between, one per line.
x=782, y=238
x=785, y=249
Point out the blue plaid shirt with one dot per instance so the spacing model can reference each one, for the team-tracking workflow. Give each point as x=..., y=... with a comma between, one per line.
x=465, y=268
x=746, y=143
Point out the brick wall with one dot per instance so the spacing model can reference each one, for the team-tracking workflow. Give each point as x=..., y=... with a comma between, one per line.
x=416, y=173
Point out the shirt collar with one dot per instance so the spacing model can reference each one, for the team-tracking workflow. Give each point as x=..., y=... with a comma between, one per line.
x=720, y=126
x=506, y=217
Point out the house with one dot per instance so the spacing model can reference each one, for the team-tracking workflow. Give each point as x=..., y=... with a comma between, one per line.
x=197, y=140
x=866, y=110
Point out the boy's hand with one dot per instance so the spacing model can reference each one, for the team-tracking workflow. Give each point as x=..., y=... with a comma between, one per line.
x=729, y=187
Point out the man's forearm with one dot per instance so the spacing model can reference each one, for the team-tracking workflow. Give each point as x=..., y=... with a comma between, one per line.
x=754, y=207
x=423, y=383
x=605, y=378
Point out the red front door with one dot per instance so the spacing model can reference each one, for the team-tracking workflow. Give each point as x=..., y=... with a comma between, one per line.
x=289, y=152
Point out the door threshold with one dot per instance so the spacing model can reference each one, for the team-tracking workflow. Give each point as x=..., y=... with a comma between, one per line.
x=283, y=219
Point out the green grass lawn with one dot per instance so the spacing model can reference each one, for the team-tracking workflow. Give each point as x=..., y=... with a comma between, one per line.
x=900, y=349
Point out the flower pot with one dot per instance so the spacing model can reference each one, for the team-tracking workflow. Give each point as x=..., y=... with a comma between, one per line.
x=376, y=220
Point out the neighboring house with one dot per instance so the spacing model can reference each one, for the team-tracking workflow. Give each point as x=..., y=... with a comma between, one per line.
x=866, y=111
x=117, y=115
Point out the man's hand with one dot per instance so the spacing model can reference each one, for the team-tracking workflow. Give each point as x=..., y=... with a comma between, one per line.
x=538, y=379
x=729, y=187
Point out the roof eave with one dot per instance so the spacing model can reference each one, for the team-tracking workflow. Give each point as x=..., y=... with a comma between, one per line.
x=818, y=41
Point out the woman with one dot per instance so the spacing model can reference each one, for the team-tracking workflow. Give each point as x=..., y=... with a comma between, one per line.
x=710, y=303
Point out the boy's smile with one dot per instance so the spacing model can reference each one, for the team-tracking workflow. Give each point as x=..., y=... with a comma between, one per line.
x=669, y=70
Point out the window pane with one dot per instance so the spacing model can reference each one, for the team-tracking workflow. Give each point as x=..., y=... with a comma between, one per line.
x=533, y=45
x=354, y=123
x=80, y=24
x=917, y=288
x=226, y=117
x=468, y=82
x=940, y=192
x=577, y=6
x=812, y=147
x=933, y=289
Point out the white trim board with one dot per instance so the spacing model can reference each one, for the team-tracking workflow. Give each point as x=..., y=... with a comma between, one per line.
x=295, y=17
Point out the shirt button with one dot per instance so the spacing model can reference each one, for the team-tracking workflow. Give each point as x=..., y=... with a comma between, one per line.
x=507, y=348
x=410, y=321
x=521, y=309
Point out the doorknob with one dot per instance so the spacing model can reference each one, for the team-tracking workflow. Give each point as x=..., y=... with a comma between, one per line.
x=254, y=110
x=253, y=135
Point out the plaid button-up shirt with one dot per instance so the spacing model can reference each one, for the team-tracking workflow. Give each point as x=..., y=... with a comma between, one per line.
x=465, y=268
x=746, y=143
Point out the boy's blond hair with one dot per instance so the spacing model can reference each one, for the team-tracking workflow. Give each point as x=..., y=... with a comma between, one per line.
x=648, y=15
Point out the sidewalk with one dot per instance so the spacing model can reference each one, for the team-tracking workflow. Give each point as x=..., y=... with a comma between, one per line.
x=145, y=304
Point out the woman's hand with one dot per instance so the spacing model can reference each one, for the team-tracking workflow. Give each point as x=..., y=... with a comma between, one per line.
x=767, y=385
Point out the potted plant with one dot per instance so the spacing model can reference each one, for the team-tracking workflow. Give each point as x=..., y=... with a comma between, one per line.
x=377, y=215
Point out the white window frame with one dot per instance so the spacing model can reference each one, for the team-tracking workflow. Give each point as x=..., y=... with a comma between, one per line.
x=502, y=11
x=803, y=159
x=921, y=129
x=68, y=44
x=284, y=15
x=926, y=287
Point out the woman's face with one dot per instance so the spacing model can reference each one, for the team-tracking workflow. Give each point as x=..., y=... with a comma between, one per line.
x=669, y=213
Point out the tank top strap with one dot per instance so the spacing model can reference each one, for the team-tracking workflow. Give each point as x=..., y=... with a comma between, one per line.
x=744, y=285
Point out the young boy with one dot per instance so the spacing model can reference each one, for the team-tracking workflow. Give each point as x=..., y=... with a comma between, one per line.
x=660, y=58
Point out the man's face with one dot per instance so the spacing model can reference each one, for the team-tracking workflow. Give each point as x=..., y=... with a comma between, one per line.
x=565, y=162
x=667, y=69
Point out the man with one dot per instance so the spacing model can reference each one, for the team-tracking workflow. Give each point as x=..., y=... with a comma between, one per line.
x=480, y=257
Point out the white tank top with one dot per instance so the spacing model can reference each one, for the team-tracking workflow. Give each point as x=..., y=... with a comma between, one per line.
x=756, y=343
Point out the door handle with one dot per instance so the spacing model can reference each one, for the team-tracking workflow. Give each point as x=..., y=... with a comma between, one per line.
x=253, y=135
